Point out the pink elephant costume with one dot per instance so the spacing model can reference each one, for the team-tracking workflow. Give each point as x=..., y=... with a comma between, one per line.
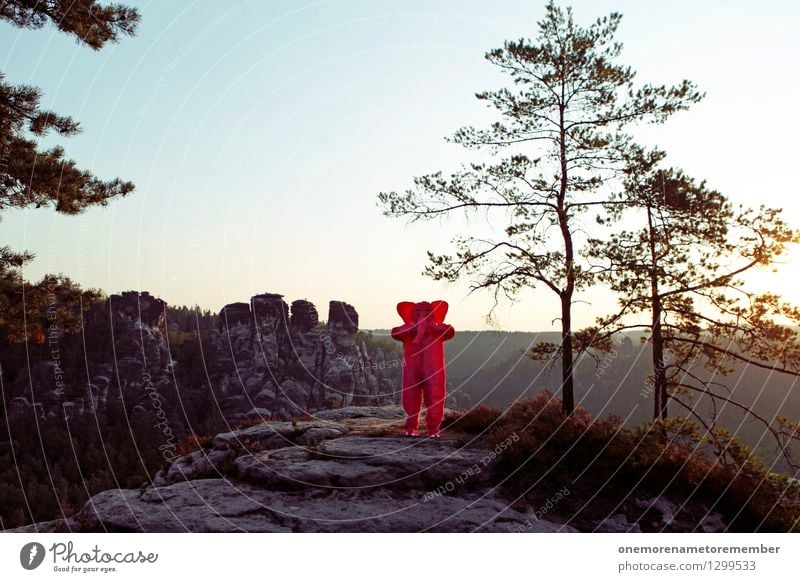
x=423, y=334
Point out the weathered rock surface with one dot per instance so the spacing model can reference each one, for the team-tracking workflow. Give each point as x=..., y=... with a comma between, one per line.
x=315, y=476
x=388, y=412
x=280, y=359
x=349, y=470
x=262, y=360
x=618, y=524
x=661, y=514
x=125, y=362
x=222, y=505
x=364, y=463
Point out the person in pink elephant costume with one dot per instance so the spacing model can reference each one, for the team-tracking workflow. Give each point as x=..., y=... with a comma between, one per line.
x=423, y=334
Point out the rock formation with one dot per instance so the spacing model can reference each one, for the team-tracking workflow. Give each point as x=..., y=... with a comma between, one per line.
x=280, y=362
x=343, y=471
x=121, y=357
x=263, y=360
x=348, y=470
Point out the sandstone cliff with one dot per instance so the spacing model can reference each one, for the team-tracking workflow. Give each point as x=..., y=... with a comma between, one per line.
x=265, y=359
x=279, y=361
x=349, y=470
x=344, y=471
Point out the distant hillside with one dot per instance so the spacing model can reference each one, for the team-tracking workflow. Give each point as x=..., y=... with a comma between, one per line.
x=490, y=367
x=108, y=407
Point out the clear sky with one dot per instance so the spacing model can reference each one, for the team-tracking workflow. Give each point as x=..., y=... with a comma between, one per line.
x=259, y=133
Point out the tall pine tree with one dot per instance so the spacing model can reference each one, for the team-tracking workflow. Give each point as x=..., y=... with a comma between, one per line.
x=562, y=129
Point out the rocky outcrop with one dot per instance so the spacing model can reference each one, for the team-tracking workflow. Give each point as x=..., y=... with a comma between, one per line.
x=346, y=473
x=662, y=514
x=349, y=470
x=137, y=309
x=280, y=362
x=234, y=314
x=120, y=360
x=263, y=360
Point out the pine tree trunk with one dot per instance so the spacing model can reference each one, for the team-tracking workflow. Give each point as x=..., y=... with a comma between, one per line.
x=659, y=372
x=567, y=363
x=657, y=337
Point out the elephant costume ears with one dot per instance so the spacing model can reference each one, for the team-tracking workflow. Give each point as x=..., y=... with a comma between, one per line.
x=406, y=311
x=439, y=311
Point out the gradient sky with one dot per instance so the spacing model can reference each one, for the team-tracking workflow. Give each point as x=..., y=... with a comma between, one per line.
x=259, y=133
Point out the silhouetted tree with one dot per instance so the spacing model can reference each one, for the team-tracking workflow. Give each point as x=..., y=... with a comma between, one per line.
x=680, y=262
x=562, y=130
